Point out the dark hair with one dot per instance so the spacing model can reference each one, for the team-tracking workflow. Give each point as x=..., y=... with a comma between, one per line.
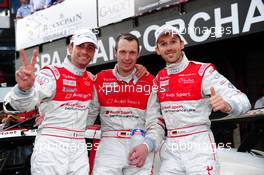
x=127, y=36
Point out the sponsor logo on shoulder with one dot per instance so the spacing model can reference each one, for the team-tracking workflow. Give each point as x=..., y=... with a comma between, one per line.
x=203, y=68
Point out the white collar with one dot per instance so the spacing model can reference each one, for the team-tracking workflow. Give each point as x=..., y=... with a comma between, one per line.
x=178, y=67
x=72, y=68
x=126, y=79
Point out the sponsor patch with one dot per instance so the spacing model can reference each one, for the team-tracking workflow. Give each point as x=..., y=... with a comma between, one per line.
x=55, y=72
x=164, y=83
x=68, y=76
x=69, y=82
x=231, y=86
x=66, y=89
x=109, y=84
x=186, y=80
x=87, y=83
x=164, y=78
x=68, y=96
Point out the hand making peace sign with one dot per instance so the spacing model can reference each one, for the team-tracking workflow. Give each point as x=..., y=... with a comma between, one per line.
x=25, y=75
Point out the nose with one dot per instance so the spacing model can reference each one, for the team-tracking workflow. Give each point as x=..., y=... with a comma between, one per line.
x=169, y=47
x=126, y=56
x=84, y=50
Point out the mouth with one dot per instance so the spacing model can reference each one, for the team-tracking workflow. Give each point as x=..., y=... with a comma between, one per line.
x=85, y=57
x=127, y=64
x=171, y=54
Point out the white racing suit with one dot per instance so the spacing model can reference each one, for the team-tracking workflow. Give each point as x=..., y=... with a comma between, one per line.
x=123, y=102
x=183, y=95
x=63, y=95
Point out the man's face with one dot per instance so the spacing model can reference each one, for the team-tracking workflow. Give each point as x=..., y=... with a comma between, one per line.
x=127, y=55
x=23, y=1
x=169, y=47
x=82, y=54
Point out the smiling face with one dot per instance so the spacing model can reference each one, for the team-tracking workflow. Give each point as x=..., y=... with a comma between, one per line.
x=127, y=54
x=170, y=48
x=82, y=54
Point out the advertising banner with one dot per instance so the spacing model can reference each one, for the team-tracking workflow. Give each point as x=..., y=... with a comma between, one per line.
x=55, y=22
x=115, y=11
x=142, y=6
x=222, y=21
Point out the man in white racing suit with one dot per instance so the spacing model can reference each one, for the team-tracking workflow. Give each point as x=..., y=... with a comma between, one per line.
x=187, y=92
x=63, y=95
x=123, y=98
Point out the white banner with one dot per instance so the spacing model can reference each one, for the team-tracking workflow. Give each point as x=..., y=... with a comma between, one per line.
x=110, y=11
x=4, y=22
x=55, y=22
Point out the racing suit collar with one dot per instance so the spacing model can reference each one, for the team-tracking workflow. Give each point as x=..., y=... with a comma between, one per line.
x=69, y=66
x=126, y=79
x=178, y=67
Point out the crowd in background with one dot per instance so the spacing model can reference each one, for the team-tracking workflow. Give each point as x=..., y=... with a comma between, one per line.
x=29, y=7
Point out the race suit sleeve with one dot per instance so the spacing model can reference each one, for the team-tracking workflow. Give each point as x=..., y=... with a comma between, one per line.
x=154, y=123
x=94, y=108
x=43, y=89
x=259, y=103
x=224, y=88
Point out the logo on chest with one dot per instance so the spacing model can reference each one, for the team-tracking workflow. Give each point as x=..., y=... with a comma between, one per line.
x=164, y=83
x=69, y=82
x=184, y=80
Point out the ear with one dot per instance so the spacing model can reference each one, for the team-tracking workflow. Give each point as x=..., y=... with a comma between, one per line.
x=182, y=45
x=157, y=50
x=115, y=54
x=70, y=48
